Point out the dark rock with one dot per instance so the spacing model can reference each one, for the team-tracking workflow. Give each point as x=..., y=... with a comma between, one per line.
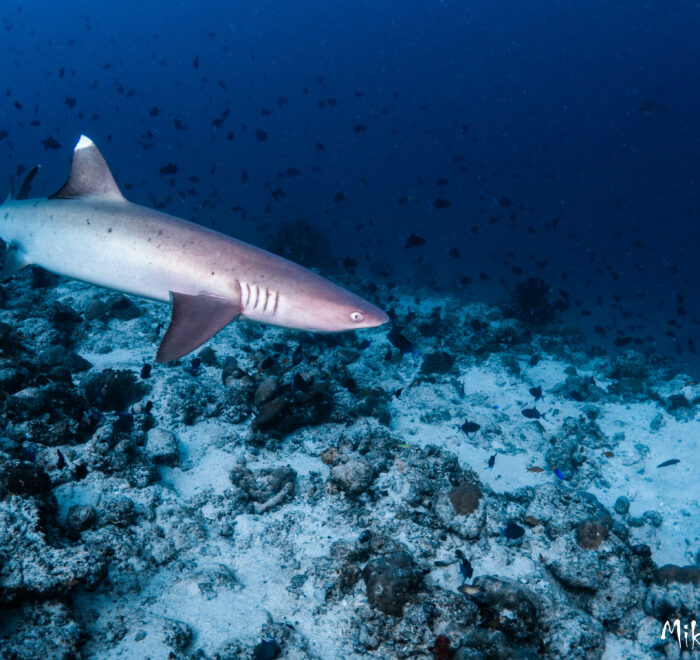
x=269, y=411
x=122, y=308
x=354, y=477
x=96, y=309
x=508, y=607
x=161, y=447
x=465, y=498
x=60, y=356
x=266, y=390
x=22, y=478
x=590, y=534
x=81, y=517
x=439, y=362
x=622, y=505
x=113, y=390
x=681, y=574
x=32, y=567
x=40, y=630
x=390, y=581
x=119, y=512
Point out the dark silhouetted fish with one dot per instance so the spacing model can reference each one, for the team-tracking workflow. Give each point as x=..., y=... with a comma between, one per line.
x=399, y=341
x=51, y=143
x=169, y=169
x=469, y=427
x=670, y=461
x=532, y=413
x=414, y=241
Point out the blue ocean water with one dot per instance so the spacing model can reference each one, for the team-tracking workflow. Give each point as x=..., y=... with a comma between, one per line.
x=563, y=135
x=455, y=482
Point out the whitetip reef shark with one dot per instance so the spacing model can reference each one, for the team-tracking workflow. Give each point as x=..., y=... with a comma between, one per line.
x=88, y=231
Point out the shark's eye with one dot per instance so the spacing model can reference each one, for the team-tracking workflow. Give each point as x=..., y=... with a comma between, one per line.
x=356, y=316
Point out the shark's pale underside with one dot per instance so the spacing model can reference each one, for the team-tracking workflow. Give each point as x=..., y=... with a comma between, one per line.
x=90, y=232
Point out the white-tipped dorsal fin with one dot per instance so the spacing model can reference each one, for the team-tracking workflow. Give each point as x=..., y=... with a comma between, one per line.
x=89, y=175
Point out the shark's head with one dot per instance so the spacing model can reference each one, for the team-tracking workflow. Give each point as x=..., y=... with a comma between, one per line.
x=317, y=305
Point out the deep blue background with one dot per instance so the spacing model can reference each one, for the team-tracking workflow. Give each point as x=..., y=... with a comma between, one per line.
x=583, y=114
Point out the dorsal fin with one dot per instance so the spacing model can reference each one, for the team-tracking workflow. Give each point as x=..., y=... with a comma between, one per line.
x=89, y=175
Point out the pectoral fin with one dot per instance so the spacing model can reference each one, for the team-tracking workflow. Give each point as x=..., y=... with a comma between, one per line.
x=14, y=262
x=194, y=320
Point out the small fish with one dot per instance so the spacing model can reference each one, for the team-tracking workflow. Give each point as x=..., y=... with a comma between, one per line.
x=513, y=530
x=80, y=472
x=169, y=169
x=268, y=649
x=609, y=454
x=399, y=341
x=397, y=393
x=492, y=461
x=297, y=356
x=536, y=392
x=465, y=567
x=534, y=359
x=441, y=203
x=469, y=589
x=532, y=413
x=535, y=468
x=557, y=471
x=670, y=461
x=532, y=521
x=414, y=241
x=470, y=427
x=51, y=143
